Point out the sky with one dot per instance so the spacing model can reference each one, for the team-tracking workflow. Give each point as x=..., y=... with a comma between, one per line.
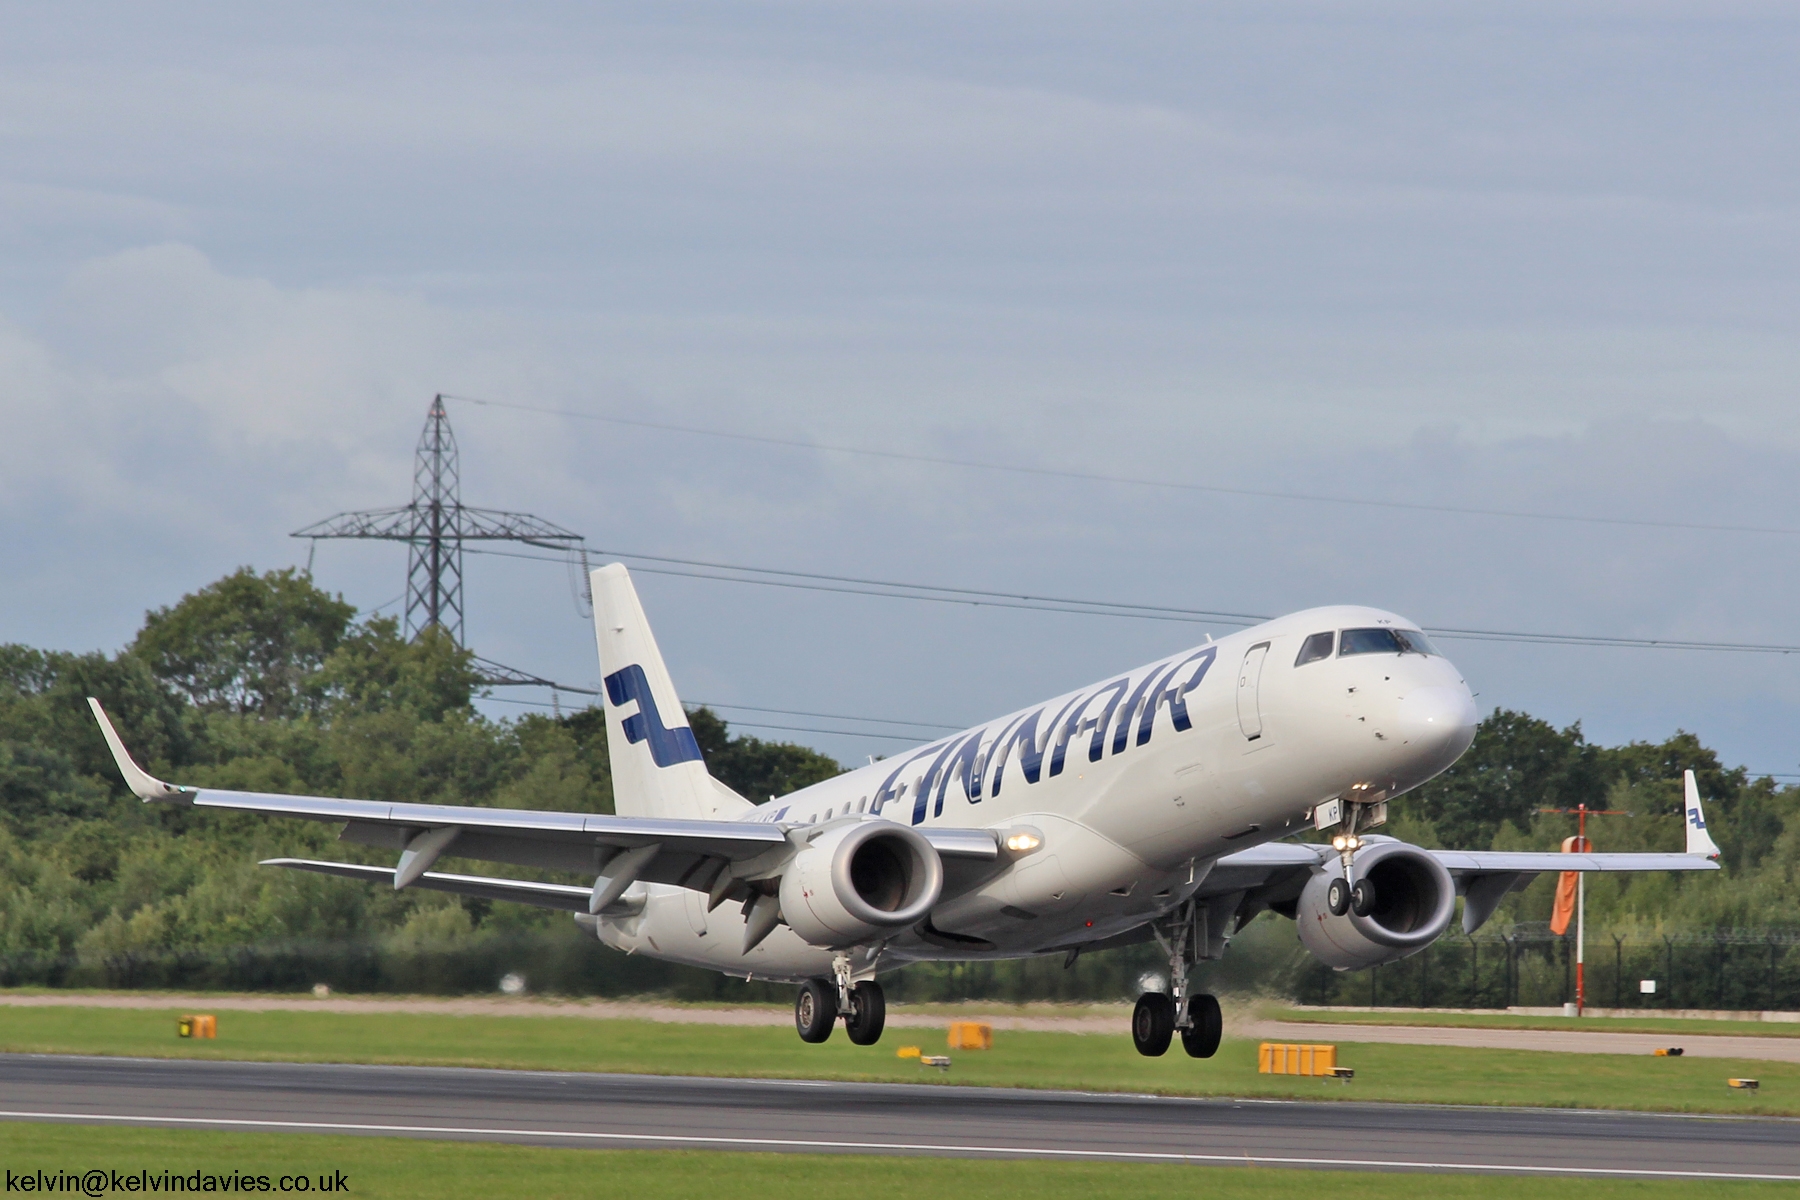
x=1519, y=258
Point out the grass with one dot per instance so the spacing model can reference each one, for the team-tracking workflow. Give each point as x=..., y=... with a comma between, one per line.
x=1692, y=1026
x=421, y=1170
x=1097, y=1062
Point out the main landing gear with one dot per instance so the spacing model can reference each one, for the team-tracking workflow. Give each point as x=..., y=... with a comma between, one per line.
x=821, y=1001
x=1159, y=1016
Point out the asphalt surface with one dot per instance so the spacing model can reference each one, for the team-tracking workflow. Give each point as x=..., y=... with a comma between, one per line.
x=570, y=1109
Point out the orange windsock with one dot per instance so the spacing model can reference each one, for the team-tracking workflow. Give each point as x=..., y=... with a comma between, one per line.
x=1565, y=887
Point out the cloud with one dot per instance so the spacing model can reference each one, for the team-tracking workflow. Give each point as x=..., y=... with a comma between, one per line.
x=1496, y=258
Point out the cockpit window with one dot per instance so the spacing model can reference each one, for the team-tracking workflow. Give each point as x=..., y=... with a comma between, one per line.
x=1369, y=641
x=1383, y=641
x=1315, y=647
x=1415, y=642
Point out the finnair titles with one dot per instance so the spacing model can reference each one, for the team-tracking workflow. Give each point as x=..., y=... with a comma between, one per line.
x=1160, y=803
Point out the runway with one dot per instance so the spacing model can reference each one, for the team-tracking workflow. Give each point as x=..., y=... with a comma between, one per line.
x=570, y=1109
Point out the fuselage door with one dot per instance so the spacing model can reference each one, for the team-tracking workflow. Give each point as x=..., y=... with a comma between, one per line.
x=1248, y=688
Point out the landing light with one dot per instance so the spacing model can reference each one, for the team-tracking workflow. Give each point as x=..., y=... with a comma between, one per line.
x=1020, y=842
x=1341, y=843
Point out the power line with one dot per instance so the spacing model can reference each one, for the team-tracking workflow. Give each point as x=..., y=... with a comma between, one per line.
x=893, y=737
x=784, y=712
x=794, y=712
x=1095, y=477
x=890, y=737
x=974, y=597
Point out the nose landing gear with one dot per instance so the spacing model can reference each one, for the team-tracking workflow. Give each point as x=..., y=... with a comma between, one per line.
x=1158, y=1017
x=1345, y=895
x=1337, y=897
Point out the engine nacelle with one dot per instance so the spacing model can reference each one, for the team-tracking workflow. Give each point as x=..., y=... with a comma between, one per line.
x=1414, y=901
x=856, y=882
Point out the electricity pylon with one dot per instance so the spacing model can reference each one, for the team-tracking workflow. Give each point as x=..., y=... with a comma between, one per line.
x=434, y=527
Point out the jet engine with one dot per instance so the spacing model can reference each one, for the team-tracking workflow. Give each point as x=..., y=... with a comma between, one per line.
x=855, y=882
x=1414, y=899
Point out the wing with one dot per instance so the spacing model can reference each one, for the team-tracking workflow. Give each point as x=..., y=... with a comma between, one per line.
x=1272, y=875
x=617, y=851
x=544, y=895
x=1485, y=877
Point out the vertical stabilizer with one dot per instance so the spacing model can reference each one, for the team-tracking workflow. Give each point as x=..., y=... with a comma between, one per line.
x=1699, y=841
x=657, y=770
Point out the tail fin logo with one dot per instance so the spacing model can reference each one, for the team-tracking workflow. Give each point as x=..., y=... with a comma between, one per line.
x=667, y=746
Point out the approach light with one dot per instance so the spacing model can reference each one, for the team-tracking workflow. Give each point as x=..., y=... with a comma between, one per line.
x=1021, y=842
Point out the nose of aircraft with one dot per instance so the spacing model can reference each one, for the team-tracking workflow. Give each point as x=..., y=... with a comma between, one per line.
x=1438, y=721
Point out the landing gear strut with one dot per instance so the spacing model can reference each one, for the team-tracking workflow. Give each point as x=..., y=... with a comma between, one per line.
x=822, y=1001
x=1345, y=895
x=1158, y=1017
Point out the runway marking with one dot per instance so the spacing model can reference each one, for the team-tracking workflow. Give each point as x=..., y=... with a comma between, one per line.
x=927, y=1147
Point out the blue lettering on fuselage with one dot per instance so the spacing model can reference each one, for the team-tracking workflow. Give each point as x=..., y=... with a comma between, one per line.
x=667, y=746
x=963, y=759
x=1077, y=725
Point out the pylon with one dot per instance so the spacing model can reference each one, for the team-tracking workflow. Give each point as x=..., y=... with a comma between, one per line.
x=434, y=527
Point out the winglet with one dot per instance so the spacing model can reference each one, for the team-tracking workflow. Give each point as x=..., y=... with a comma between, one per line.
x=146, y=785
x=1698, y=840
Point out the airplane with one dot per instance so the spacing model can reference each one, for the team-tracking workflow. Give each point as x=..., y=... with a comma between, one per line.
x=1157, y=804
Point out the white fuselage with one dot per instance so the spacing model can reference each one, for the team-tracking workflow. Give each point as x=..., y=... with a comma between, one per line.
x=1134, y=786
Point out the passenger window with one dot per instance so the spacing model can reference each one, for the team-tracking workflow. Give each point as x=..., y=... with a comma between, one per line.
x=1314, y=648
x=1369, y=641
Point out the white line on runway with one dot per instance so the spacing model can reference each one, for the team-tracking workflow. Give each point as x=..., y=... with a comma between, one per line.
x=891, y=1147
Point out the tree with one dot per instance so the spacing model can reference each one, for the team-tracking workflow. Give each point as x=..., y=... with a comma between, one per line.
x=1517, y=765
x=248, y=643
x=54, y=767
x=753, y=768
x=374, y=670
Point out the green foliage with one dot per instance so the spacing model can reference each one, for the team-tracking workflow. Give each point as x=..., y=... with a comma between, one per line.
x=375, y=670
x=248, y=643
x=265, y=683
x=755, y=769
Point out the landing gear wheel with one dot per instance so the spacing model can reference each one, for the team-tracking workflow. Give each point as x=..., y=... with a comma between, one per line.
x=1152, y=1024
x=1362, y=898
x=815, y=1010
x=1206, y=1023
x=867, y=1015
x=1337, y=897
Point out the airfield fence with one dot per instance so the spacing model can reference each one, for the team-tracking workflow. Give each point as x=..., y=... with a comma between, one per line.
x=1527, y=964
x=548, y=964
x=1520, y=965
